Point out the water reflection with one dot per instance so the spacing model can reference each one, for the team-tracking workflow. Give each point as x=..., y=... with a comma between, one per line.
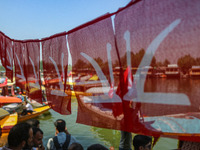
x=189, y=87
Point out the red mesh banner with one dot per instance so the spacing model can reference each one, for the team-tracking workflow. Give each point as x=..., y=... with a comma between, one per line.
x=3, y=49
x=33, y=70
x=139, y=73
x=159, y=41
x=94, y=57
x=9, y=58
x=55, y=61
x=20, y=54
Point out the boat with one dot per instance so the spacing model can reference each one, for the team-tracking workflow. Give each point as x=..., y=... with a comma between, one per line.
x=36, y=112
x=3, y=113
x=13, y=107
x=34, y=103
x=194, y=72
x=107, y=119
x=6, y=124
x=160, y=72
x=9, y=99
x=172, y=71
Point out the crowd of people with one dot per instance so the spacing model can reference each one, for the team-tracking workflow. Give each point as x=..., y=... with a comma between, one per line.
x=29, y=136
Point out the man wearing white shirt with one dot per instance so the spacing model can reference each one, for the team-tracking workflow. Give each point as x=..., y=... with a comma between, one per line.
x=28, y=109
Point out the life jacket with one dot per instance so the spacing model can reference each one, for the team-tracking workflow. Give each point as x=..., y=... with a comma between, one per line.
x=65, y=145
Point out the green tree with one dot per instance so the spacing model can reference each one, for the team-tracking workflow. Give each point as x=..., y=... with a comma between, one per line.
x=186, y=62
x=166, y=62
x=159, y=64
x=153, y=62
x=80, y=64
x=2, y=68
x=197, y=61
x=138, y=57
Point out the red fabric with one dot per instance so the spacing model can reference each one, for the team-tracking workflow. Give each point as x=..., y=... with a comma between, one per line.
x=33, y=70
x=3, y=49
x=9, y=59
x=149, y=33
x=167, y=30
x=93, y=51
x=55, y=61
x=6, y=48
x=20, y=54
x=130, y=110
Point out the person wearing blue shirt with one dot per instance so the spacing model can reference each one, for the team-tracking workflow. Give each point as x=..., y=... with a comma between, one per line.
x=62, y=138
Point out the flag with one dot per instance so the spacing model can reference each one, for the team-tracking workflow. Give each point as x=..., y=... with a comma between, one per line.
x=55, y=63
x=161, y=34
x=94, y=53
x=20, y=54
x=9, y=60
x=33, y=70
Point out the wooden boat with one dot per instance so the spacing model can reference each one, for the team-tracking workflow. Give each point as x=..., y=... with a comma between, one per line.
x=3, y=113
x=34, y=103
x=13, y=107
x=8, y=122
x=36, y=112
x=7, y=100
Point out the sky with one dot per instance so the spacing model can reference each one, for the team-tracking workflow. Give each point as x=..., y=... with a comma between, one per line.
x=36, y=19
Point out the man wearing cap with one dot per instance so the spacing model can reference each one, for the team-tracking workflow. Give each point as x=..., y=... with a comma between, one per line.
x=62, y=139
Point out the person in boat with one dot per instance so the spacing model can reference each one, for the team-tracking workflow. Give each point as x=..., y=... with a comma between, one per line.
x=28, y=108
x=37, y=139
x=62, y=138
x=20, y=135
x=142, y=142
x=19, y=95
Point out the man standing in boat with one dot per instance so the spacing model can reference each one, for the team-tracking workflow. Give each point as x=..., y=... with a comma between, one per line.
x=28, y=108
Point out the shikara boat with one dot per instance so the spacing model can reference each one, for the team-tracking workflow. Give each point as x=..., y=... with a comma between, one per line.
x=8, y=99
x=8, y=122
x=13, y=107
x=36, y=112
x=3, y=113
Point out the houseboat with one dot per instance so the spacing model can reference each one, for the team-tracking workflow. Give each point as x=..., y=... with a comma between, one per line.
x=172, y=71
x=148, y=71
x=194, y=72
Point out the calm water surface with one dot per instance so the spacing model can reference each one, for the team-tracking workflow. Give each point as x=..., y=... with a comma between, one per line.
x=88, y=135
